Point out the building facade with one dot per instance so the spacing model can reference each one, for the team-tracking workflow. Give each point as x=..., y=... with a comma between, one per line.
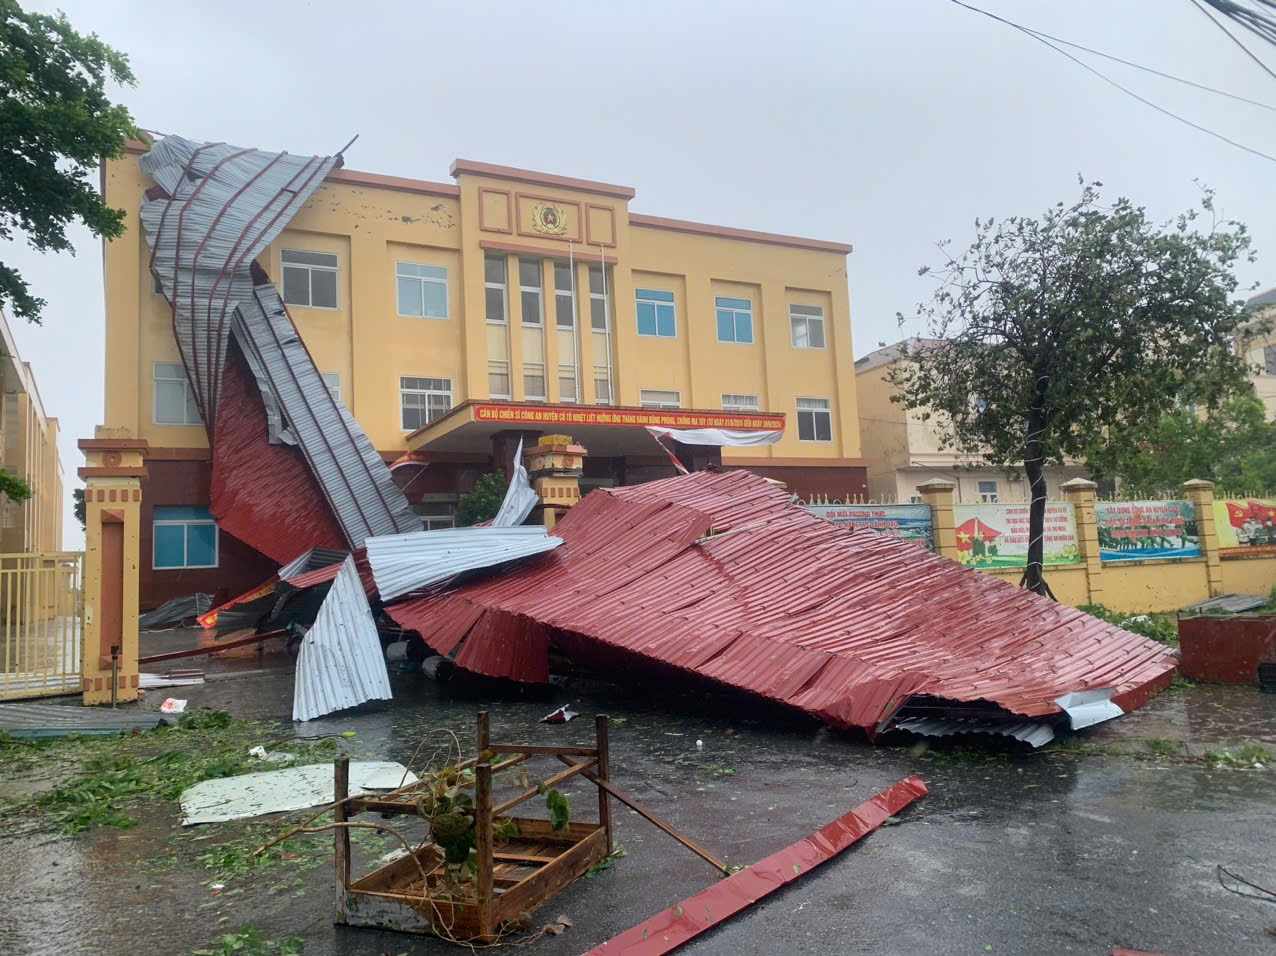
x=1260, y=349
x=902, y=450
x=28, y=450
x=454, y=318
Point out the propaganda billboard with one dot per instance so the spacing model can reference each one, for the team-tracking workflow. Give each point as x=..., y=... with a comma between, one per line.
x=1246, y=527
x=996, y=535
x=1140, y=530
x=911, y=522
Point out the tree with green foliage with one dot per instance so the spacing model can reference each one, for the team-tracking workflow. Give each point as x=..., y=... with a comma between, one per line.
x=56, y=125
x=1062, y=336
x=483, y=501
x=1233, y=446
x=81, y=508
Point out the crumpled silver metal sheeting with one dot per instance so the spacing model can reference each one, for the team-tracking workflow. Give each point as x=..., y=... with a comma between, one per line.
x=226, y=205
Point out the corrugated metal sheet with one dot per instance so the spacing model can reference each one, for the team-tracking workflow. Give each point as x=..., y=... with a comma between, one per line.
x=520, y=498
x=340, y=663
x=220, y=207
x=678, y=924
x=403, y=563
x=312, y=559
x=1032, y=732
x=718, y=575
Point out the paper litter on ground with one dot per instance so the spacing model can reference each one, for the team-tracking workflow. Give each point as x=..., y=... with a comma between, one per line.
x=278, y=791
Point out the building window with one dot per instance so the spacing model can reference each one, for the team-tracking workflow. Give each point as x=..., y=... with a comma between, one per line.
x=529, y=288
x=423, y=400
x=988, y=492
x=815, y=421
x=806, y=325
x=656, y=314
x=498, y=379
x=534, y=382
x=333, y=381
x=600, y=331
x=174, y=398
x=740, y=403
x=659, y=398
x=422, y=290
x=436, y=515
x=735, y=320
x=494, y=287
x=565, y=325
x=310, y=278
x=183, y=538
x=1269, y=359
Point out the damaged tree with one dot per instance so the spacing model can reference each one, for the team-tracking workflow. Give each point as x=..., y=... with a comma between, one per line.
x=1061, y=336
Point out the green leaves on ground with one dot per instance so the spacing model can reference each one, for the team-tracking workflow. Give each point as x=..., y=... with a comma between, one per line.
x=559, y=809
x=1159, y=627
x=249, y=941
x=109, y=775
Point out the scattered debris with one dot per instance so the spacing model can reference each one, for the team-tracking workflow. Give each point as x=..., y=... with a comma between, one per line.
x=279, y=791
x=178, y=612
x=675, y=926
x=1226, y=604
x=520, y=497
x=28, y=721
x=183, y=678
x=340, y=663
x=695, y=573
x=212, y=647
x=172, y=705
x=560, y=716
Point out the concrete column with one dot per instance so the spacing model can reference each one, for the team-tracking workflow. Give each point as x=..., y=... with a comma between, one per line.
x=1201, y=494
x=1080, y=492
x=112, y=475
x=939, y=495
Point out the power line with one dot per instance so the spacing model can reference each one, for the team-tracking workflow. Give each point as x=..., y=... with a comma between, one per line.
x=1255, y=21
x=1124, y=89
x=1235, y=39
x=1155, y=72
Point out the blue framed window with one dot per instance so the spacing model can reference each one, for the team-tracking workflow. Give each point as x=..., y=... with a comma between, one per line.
x=421, y=290
x=656, y=313
x=183, y=537
x=735, y=320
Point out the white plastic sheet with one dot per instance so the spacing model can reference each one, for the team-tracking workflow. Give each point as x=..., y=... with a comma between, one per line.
x=520, y=499
x=279, y=791
x=730, y=437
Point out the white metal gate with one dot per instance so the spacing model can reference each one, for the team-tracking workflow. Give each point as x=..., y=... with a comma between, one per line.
x=41, y=623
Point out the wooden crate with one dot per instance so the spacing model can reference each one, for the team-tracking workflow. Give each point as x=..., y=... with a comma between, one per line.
x=513, y=877
x=528, y=871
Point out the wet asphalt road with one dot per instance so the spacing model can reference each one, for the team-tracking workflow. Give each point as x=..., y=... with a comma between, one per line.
x=1049, y=852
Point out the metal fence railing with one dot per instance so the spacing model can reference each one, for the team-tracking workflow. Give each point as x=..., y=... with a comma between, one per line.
x=41, y=623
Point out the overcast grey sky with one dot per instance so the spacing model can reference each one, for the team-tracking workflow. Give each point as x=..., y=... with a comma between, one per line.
x=886, y=123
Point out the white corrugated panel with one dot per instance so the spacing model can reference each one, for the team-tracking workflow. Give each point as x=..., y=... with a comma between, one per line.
x=340, y=664
x=520, y=499
x=403, y=563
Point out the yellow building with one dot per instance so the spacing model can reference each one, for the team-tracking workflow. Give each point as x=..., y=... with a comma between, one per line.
x=1261, y=349
x=28, y=450
x=453, y=318
x=902, y=449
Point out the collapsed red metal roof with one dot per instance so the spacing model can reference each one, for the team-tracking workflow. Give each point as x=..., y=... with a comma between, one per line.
x=718, y=575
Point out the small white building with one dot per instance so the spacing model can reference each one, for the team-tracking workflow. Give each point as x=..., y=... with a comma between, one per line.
x=901, y=450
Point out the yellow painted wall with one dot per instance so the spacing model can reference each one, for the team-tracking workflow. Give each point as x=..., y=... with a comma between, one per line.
x=365, y=341
x=1067, y=582
x=1154, y=586
x=1249, y=575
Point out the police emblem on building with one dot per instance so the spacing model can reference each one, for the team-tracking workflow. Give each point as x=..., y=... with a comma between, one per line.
x=549, y=219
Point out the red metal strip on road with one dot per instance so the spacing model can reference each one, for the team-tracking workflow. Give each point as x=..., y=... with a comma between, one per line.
x=668, y=930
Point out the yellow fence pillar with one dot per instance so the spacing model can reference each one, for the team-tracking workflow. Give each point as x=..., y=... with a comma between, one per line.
x=1081, y=494
x=939, y=495
x=1201, y=494
x=554, y=467
x=112, y=474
